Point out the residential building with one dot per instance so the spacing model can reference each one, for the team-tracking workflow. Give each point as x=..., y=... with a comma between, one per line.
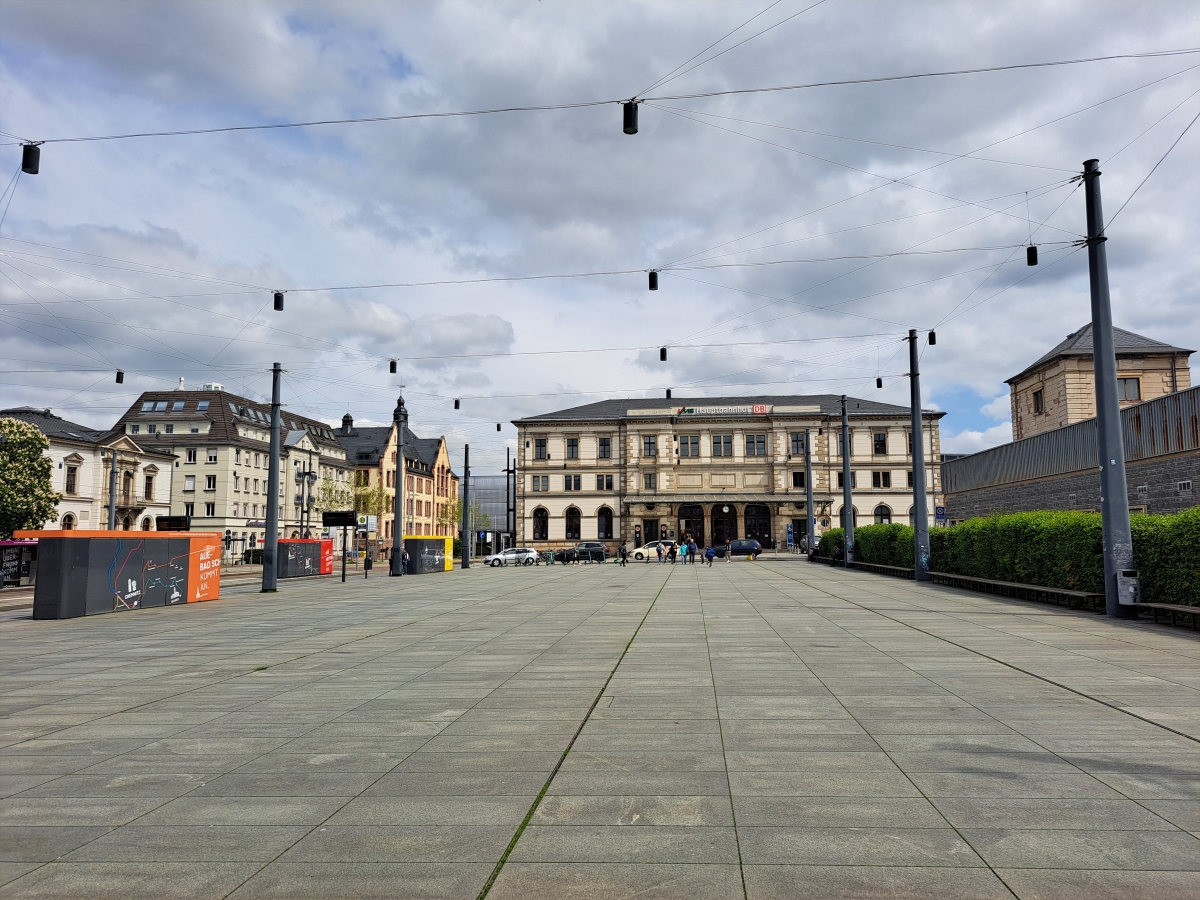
x=431, y=486
x=713, y=468
x=1060, y=388
x=81, y=473
x=221, y=443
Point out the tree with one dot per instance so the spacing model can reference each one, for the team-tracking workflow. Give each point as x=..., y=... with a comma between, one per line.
x=449, y=515
x=332, y=495
x=26, y=498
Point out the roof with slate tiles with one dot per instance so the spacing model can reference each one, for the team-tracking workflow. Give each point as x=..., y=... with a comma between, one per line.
x=1079, y=343
x=614, y=410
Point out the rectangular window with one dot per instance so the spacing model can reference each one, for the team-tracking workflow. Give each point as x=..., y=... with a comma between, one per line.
x=134, y=429
x=210, y=482
x=649, y=445
x=572, y=482
x=605, y=448
x=722, y=445
x=604, y=483
x=149, y=487
x=189, y=509
x=1185, y=487
x=169, y=428
x=256, y=486
x=148, y=406
x=195, y=429
x=879, y=443
x=189, y=482
x=210, y=509
x=177, y=406
x=572, y=448
x=798, y=479
x=649, y=481
x=797, y=443
x=756, y=445
x=72, y=479
x=539, y=448
x=910, y=479
x=237, y=456
x=541, y=482
x=160, y=406
x=842, y=480
x=881, y=479
x=689, y=445
x=202, y=406
x=190, y=456
x=1143, y=490
x=1129, y=389
x=1039, y=407
x=212, y=455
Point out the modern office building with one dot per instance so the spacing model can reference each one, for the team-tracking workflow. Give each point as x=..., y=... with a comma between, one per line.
x=714, y=468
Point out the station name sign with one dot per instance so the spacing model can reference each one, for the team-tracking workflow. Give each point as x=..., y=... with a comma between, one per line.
x=756, y=409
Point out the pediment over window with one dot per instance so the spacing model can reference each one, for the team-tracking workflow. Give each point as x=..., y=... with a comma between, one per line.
x=73, y=459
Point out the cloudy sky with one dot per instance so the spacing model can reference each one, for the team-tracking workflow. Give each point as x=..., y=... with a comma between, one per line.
x=801, y=233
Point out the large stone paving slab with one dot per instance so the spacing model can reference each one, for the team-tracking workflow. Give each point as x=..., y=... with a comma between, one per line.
x=751, y=730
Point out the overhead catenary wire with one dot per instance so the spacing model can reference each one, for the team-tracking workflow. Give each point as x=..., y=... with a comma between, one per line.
x=1151, y=172
x=1155, y=54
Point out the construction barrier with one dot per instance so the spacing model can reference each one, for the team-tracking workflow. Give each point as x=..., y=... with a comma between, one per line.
x=84, y=573
x=298, y=557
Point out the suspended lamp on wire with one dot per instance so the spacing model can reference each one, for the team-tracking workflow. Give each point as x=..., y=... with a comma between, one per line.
x=392, y=366
x=31, y=157
x=631, y=117
x=668, y=393
x=279, y=301
x=653, y=280
x=932, y=338
x=120, y=377
x=878, y=382
x=497, y=426
x=456, y=403
x=1031, y=255
x=662, y=354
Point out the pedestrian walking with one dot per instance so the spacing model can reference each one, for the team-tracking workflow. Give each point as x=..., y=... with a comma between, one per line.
x=623, y=553
x=659, y=548
x=404, y=562
x=672, y=554
x=693, y=550
x=728, y=551
x=683, y=552
x=710, y=554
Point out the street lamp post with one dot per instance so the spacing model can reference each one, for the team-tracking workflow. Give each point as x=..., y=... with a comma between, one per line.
x=400, y=421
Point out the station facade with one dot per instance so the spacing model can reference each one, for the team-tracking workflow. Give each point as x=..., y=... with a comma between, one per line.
x=716, y=469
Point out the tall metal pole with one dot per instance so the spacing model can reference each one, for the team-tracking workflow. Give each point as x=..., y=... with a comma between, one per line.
x=1114, y=490
x=920, y=519
x=271, y=543
x=847, y=495
x=400, y=420
x=811, y=534
x=467, y=534
x=112, y=490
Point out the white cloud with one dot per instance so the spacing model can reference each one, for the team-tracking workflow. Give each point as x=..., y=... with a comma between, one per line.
x=973, y=441
x=998, y=409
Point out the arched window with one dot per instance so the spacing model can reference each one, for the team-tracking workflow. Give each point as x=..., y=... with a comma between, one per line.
x=541, y=525
x=842, y=517
x=883, y=515
x=604, y=524
x=68, y=522
x=127, y=524
x=572, y=516
x=127, y=489
x=146, y=524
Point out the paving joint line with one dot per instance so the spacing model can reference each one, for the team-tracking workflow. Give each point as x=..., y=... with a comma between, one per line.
x=562, y=758
x=1009, y=665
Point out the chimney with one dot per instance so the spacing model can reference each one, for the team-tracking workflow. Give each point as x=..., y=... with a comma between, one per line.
x=180, y=388
x=347, y=423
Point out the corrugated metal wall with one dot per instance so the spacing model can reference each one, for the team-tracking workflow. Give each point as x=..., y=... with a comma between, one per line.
x=1168, y=424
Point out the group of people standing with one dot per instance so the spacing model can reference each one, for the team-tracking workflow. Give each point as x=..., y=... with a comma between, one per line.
x=687, y=552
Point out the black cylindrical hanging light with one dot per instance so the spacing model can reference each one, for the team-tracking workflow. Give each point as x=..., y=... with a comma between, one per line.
x=631, y=117
x=31, y=157
x=662, y=354
x=653, y=280
x=456, y=403
x=497, y=426
x=668, y=393
x=279, y=301
x=120, y=377
x=932, y=338
x=392, y=366
x=1031, y=255
x=878, y=382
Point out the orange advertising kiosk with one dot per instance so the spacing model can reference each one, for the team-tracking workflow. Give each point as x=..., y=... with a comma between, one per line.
x=84, y=573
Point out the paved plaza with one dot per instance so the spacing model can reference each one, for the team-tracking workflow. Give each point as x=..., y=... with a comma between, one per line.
x=773, y=729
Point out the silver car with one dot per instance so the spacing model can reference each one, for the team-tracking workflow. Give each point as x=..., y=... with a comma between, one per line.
x=514, y=556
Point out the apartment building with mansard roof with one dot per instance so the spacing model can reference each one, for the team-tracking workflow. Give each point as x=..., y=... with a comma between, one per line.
x=713, y=468
x=221, y=443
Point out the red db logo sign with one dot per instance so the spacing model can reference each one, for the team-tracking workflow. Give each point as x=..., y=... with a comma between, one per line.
x=760, y=409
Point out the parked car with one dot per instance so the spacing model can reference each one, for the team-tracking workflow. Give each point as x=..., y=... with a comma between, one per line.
x=514, y=556
x=593, y=550
x=744, y=547
x=650, y=550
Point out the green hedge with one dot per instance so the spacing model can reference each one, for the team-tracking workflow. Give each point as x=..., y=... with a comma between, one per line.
x=1056, y=549
x=830, y=541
